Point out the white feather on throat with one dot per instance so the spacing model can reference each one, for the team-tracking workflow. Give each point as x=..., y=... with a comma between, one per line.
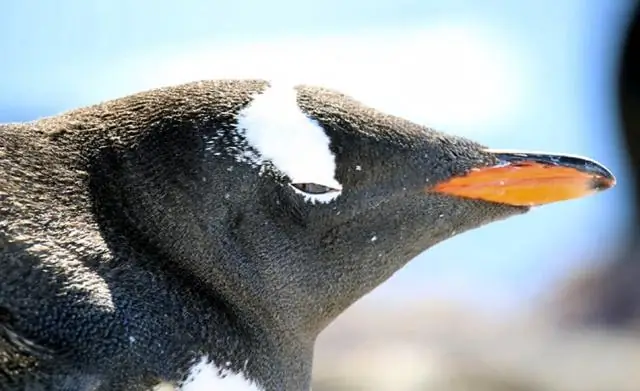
x=275, y=126
x=206, y=376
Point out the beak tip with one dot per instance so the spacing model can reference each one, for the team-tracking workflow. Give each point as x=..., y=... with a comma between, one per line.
x=603, y=182
x=602, y=178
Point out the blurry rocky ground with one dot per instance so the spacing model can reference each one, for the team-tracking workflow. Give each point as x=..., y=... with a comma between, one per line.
x=446, y=346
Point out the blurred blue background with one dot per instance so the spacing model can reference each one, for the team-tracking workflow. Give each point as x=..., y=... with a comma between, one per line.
x=510, y=74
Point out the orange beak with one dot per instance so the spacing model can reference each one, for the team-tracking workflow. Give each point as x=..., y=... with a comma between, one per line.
x=530, y=179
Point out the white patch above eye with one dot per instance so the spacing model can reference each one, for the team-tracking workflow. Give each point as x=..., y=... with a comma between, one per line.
x=205, y=376
x=275, y=126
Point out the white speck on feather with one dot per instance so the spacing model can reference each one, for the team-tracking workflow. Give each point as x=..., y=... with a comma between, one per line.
x=205, y=376
x=275, y=126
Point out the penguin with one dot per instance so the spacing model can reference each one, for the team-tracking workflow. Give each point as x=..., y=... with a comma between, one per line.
x=200, y=236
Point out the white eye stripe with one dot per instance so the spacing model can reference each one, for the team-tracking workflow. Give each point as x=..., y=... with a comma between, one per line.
x=274, y=125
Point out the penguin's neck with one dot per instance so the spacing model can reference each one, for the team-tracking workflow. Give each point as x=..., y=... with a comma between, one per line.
x=154, y=194
x=195, y=342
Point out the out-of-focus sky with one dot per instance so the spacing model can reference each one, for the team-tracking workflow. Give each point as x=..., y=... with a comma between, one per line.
x=510, y=74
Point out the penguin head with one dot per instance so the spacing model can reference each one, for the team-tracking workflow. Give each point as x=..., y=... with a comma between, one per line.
x=313, y=199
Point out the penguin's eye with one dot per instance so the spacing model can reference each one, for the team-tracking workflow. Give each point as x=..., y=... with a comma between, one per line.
x=312, y=188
